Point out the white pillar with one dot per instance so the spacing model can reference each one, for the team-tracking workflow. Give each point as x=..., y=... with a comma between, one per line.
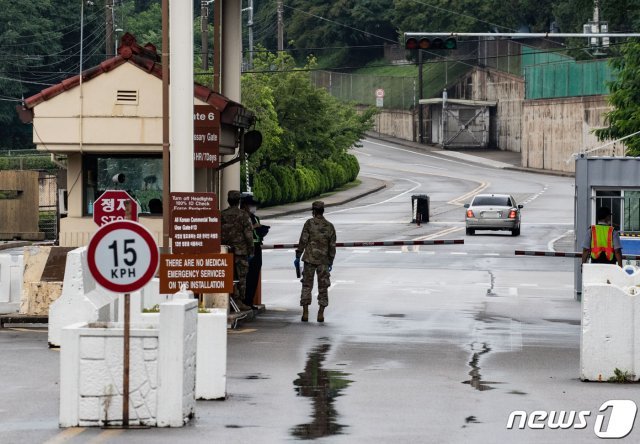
x=181, y=95
x=231, y=71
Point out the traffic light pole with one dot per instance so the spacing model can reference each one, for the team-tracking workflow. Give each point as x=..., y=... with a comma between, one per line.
x=420, y=97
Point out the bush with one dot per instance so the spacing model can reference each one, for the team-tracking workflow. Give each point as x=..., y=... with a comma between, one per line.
x=35, y=162
x=286, y=181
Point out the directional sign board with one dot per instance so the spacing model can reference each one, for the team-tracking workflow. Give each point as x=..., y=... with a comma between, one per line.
x=114, y=205
x=206, y=136
x=195, y=222
x=122, y=256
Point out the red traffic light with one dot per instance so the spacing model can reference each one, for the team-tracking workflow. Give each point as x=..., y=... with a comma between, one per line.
x=411, y=43
x=433, y=43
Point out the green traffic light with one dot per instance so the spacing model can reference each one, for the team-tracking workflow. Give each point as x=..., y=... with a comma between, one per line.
x=451, y=43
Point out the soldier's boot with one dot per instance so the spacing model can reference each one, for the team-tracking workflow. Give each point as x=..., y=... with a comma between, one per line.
x=321, y=314
x=241, y=305
x=305, y=313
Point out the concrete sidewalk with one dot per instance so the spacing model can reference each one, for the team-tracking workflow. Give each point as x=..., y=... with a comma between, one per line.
x=494, y=158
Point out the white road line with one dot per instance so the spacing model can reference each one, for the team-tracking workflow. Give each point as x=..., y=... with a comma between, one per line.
x=554, y=240
x=439, y=233
x=459, y=252
x=529, y=285
x=460, y=200
x=393, y=252
x=491, y=254
x=418, y=185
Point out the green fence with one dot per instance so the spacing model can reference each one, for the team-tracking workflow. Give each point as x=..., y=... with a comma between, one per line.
x=549, y=75
x=399, y=92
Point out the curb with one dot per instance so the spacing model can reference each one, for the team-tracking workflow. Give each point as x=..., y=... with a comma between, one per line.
x=8, y=245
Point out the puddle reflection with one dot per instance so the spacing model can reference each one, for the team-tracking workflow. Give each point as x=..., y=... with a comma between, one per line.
x=322, y=386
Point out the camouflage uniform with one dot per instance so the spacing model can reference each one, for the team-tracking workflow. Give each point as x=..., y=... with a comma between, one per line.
x=237, y=233
x=317, y=246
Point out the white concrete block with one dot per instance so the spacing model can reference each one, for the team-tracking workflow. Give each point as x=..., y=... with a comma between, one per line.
x=70, y=376
x=610, y=311
x=82, y=300
x=211, y=365
x=11, y=268
x=176, y=363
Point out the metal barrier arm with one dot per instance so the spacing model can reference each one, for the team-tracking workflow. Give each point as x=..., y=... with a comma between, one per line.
x=375, y=244
x=565, y=254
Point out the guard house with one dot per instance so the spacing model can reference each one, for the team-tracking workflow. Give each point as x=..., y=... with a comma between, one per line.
x=110, y=124
x=613, y=182
x=458, y=123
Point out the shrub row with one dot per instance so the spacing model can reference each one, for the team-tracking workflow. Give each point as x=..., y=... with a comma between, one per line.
x=282, y=184
x=27, y=163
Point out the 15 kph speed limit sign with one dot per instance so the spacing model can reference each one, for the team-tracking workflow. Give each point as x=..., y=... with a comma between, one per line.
x=122, y=256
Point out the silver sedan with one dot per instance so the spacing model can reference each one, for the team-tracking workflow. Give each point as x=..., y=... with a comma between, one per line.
x=493, y=212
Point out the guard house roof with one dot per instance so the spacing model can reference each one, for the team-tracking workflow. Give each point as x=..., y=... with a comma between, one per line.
x=438, y=101
x=146, y=58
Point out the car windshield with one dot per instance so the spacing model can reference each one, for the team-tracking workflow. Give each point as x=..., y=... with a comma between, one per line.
x=498, y=201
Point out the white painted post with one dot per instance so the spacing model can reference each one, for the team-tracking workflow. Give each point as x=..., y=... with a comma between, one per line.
x=70, y=375
x=211, y=363
x=181, y=95
x=177, y=362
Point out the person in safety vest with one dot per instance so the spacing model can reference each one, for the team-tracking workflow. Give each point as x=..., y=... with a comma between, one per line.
x=602, y=243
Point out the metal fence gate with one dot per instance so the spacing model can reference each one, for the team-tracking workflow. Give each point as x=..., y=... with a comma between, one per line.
x=48, y=204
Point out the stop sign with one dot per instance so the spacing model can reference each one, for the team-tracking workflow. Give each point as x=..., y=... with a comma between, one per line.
x=114, y=205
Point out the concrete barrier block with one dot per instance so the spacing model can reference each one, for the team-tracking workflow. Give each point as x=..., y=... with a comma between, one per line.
x=177, y=362
x=82, y=300
x=11, y=268
x=610, y=311
x=211, y=367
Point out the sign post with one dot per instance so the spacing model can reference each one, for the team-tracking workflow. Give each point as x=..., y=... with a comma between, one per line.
x=123, y=257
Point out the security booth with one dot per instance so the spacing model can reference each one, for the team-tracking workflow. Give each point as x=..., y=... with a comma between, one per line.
x=458, y=123
x=613, y=182
x=108, y=125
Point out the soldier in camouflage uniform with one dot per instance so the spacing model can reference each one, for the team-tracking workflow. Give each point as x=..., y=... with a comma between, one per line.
x=237, y=233
x=317, y=248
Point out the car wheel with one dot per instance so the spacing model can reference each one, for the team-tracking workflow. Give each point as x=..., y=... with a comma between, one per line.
x=471, y=231
x=515, y=232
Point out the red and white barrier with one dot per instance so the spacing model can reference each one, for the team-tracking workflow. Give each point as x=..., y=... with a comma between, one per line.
x=565, y=254
x=375, y=244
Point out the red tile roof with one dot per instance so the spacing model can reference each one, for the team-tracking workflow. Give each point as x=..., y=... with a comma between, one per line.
x=146, y=58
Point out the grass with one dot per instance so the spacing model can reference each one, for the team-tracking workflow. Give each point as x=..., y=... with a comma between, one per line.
x=346, y=186
x=622, y=377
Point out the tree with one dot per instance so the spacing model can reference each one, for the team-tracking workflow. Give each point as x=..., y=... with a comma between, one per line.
x=624, y=118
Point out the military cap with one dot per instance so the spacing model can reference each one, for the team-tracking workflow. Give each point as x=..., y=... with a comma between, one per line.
x=233, y=195
x=248, y=199
x=317, y=205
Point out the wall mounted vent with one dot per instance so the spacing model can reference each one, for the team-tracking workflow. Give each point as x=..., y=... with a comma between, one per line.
x=127, y=97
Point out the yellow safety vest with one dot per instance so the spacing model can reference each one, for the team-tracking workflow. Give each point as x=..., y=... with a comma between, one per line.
x=601, y=241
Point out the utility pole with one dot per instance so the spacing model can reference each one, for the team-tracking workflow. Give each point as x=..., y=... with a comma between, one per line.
x=109, y=40
x=250, y=26
x=280, y=10
x=217, y=45
x=204, y=33
x=420, y=97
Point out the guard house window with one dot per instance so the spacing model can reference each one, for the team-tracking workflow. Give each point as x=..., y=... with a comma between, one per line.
x=611, y=199
x=142, y=179
x=625, y=208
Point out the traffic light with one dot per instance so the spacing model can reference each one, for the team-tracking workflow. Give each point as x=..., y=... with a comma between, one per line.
x=431, y=43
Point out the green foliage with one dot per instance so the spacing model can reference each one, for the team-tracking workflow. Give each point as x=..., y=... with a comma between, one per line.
x=624, y=118
x=621, y=376
x=27, y=163
x=306, y=132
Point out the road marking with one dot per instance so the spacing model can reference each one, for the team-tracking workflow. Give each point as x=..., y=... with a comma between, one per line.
x=513, y=291
x=553, y=241
x=418, y=185
x=459, y=252
x=393, y=251
x=242, y=331
x=461, y=200
x=104, y=436
x=528, y=285
x=491, y=254
x=66, y=435
x=439, y=233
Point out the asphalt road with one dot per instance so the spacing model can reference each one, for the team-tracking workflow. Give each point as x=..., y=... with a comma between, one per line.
x=421, y=344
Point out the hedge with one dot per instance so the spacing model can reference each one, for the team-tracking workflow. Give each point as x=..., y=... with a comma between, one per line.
x=278, y=184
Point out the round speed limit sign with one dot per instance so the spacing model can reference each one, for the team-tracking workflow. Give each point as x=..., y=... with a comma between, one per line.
x=122, y=256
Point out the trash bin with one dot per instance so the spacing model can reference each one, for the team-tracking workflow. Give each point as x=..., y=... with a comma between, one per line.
x=420, y=208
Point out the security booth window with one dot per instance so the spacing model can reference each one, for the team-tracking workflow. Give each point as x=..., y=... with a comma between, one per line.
x=611, y=199
x=631, y=202
x=139, y=175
